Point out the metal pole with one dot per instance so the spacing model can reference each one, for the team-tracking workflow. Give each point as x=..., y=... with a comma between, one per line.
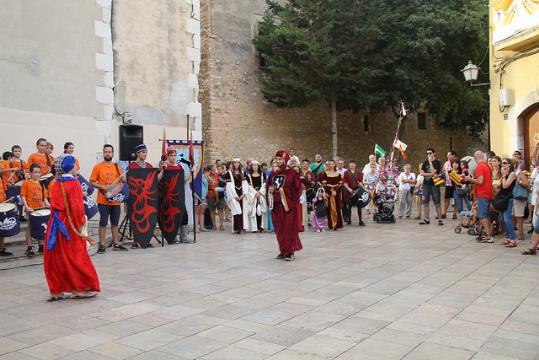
x=192, y=183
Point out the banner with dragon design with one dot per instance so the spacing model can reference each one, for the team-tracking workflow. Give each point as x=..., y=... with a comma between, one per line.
x=143, y=203
x=171, y=203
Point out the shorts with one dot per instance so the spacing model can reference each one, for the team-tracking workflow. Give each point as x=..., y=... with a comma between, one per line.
x=536, y=225
x=431, y=191
x=519, y=207
x=218, y=203
x=449, y=192
x=483, y=205
x=106, y=211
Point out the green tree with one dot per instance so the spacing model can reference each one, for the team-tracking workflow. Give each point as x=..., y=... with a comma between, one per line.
x=370, y=54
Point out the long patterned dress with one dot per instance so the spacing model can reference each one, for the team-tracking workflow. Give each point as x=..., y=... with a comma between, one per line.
x=333, y=183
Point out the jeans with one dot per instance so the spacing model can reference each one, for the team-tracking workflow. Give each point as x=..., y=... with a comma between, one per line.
x=507, y=218
x=431, y=190
x=460, y=201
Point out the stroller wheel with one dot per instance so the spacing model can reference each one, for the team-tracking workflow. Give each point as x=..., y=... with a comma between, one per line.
x=393, y=220
x=458, y=230
x=472, y=231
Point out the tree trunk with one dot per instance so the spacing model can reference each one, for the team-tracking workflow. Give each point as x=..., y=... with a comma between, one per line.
x=334, y=126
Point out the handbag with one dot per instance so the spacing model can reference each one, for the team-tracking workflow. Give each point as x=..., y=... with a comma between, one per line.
x=501, y=202
x=520, y=192
x=463, y=190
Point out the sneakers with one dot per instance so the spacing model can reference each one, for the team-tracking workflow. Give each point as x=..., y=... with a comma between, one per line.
x=440, y=222
x=119, y=247
x=101, y=249
x=30, y=251
x=40, y=249
x=424, y=222
x=4, y=252
x=361, y=223
x=289, y=257
x=280, y=257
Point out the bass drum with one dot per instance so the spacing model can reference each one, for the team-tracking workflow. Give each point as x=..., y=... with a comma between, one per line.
x=362, y=198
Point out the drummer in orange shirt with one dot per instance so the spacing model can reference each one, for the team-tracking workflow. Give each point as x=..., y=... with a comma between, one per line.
x=7, y=168
x=19, y=164
x=104, y=174
x=3, y=251
x=69, y=149
x=34, y=196
x=44, y=159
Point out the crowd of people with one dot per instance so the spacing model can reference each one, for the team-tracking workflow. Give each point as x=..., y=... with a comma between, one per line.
x=489, y=195
x=484, y=192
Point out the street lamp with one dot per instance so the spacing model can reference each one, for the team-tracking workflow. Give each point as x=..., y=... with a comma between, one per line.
x=470, y=73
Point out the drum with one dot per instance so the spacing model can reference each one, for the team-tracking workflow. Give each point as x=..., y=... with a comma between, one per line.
x=14, y=194
x=119, y=193
x=90, y=207
x=46, y=179
x=38, y=223
x=362, y=198
x=9, y=220
x=85, y=185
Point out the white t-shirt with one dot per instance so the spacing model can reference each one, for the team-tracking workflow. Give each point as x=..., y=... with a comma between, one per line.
x=367, y=168
x=419, y=180
x=403, y=176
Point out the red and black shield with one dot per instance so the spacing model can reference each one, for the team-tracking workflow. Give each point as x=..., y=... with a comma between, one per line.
x=172, y=203
x=143, y=203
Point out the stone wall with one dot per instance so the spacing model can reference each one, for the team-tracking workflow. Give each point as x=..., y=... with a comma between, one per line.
x=156, y=64
x=239, y=122
x=50, y=71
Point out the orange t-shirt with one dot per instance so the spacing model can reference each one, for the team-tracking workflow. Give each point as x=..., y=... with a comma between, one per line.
x=17, y=165
x=105, y=174
x=2, y=191
x=5, y=175
x=34, y=193
x=42, y=161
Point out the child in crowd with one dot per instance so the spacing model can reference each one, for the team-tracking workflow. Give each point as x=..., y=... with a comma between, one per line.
x=34, y=196
x=320, y=212
x=418, y=193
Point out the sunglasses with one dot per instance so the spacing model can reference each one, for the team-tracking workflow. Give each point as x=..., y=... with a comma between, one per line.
x=429, y=153
x=505, y=163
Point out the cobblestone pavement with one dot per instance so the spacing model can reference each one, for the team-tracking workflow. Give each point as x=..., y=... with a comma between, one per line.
x=382, y=292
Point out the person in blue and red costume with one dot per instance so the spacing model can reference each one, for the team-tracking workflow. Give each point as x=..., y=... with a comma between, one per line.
x=284, y=193
x=68, y=268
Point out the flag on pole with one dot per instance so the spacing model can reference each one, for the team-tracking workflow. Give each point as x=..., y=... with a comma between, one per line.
x=403, y=110
x=379, y=151
x=164, y=145
x=399, y=145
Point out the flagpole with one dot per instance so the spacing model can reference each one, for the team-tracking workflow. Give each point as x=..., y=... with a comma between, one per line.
x=192, y=166
x=401, y=116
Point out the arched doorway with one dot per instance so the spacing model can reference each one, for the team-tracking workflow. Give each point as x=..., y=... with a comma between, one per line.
x=530, y=121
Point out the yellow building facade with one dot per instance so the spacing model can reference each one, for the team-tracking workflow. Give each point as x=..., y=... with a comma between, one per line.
x=514, y=76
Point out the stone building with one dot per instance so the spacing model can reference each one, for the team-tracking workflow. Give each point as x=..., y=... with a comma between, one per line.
x=514, y=77
x=66, y=65
x=239, y=122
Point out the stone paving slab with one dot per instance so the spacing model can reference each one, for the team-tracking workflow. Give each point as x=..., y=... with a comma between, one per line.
x=382, y=292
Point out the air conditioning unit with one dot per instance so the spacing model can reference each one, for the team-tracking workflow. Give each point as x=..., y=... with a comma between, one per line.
x=506, y=98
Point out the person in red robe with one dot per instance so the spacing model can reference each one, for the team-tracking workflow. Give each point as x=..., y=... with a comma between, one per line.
x=68, y=268
x=284, y=193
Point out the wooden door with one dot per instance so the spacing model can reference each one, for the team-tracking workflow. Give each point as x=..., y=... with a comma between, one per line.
x=531, y=132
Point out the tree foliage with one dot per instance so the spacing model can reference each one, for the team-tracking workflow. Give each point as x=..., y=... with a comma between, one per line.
x=370, y=54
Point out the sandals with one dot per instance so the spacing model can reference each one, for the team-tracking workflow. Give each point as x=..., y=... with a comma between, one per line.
x=57, y=298
x=86, y=295
x=529, y=252
x=511, y=244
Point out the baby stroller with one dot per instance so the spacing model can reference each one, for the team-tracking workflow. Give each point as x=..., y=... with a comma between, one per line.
x=384, y=199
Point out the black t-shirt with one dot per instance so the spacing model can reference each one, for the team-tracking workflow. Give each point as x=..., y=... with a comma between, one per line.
x=425, y=167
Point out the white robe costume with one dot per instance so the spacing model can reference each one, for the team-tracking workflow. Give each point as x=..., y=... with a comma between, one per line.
x=231, y=195
x=253, y=207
